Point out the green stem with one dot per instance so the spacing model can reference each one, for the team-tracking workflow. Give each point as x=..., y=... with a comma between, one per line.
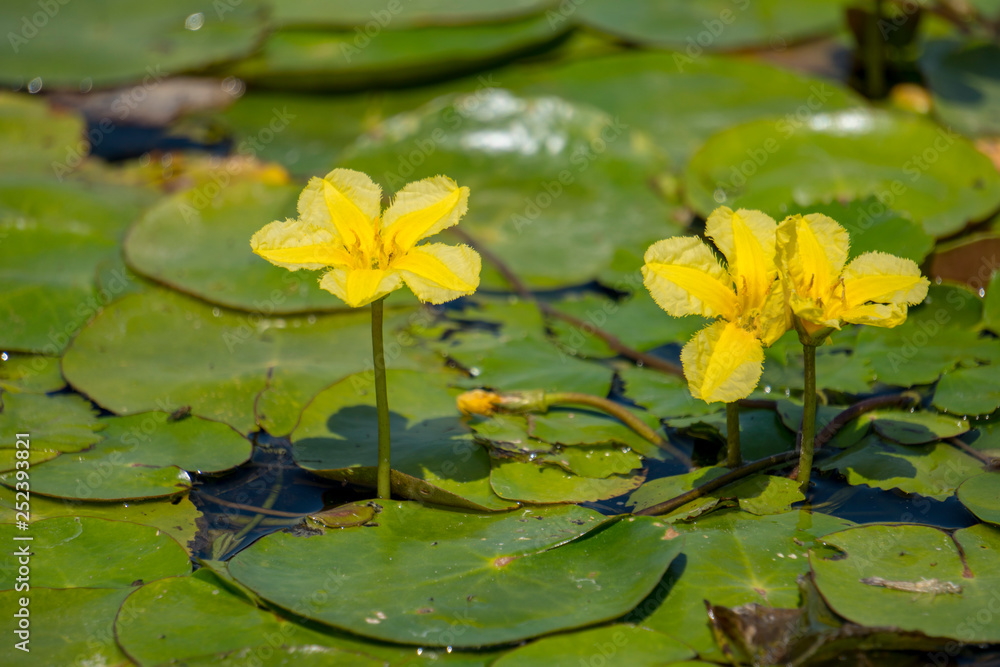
x=384, y=486
x=808, y=417
x=733, y=456
x=874, y=54
x=621, y=413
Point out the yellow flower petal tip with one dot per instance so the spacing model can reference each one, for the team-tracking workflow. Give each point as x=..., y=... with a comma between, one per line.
x=370, y=253
x=684, y=277
x=875, y=288
x=478, y=402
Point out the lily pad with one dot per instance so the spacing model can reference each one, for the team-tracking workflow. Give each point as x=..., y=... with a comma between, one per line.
x=83, y=552
x=175, y=518
x=68, y=626
x=225, y=366
x=434, y=458
x=72, y=46
x=666, y=396
x=539, y=169
x=30, y=373
x=142, y=456
x=719, y=25
x=981, y=495
x=909, y=164
x=757, y=494
x=61, y=423
x=969, y=391
x=353, y=59
x=351, y=13
x=55, y=237
x=963, y=81
x=915, y=578
x=838, y=366
x=593, y=461
x=214, y=261
x=682, y=101
x=542, y=484
x=451, y=579
x=732, y=558
x=991, y=305
x=37, y=139
x=916, y=428
x=934, y=470
x=623, y=644
x=190, y=617
x=573, y=426
x=762, y=432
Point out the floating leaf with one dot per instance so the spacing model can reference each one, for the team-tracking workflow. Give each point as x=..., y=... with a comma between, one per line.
x=30, y=373
x=916, y=428
x=991, y=306
x=220, y=363
x=84, y=552
x=530, y=482
x=934, y=470
x=76, y=47
x=770, y=165
x=539, y=169
x=666, y=396
x=757, y=494
x=981, y=494
x=761, y=431
x=351, y=59
x=732, y=558
x=969, y=391
x=434, y=457
x=68, y=626
x=838, y=366
x=593, y=461
x=962, y=78
x=623, y=644
x=915, y=578
x=694, y=28
x=451, y=579
x=60, y=423
x=37, y=139
x=55, y=237
x=351, y=13
x=142, y=456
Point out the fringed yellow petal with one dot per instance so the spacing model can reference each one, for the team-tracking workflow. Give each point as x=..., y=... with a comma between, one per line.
x=746, y=238
x=359, y=287
x=299, y=244
x=353, y=202
x=422, y=209
x=438, y=273
x=883, y=278
x=876, y=314
x=812, y=250
x=810, y=312
x=684, y=278
x=723, y=362
x=775, y=316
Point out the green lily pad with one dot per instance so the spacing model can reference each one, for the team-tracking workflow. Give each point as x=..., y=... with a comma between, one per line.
x=991, y=304
x=578, y=425
x=916, y=428
x=934, y=470
x=214, y=261
x=37, y=139
x=762, y=432
x=622, y=644
x=463, y=576
x=175, y=518
x=666, y=396
x=73, y=46
x=962, y=79
x=191, y=617
x=55, y=237
x=937, y=336
x=757, y=494
x=433, y=455
x=681, y=102
x=539, y=169
x=732, y=558
x=84, y=552
x=30, y=373
x=915, y=578
x=60, y=423
x=352, y=59
x=719, y=25
x=593, y=461
x=540, y=484
x=981, y=495
x=69, y=626
x=637, y=322
x=969, y=391
x=142, y=456
x=838, y=366
x=909, y=164
x=225, y=366
x=351, y=13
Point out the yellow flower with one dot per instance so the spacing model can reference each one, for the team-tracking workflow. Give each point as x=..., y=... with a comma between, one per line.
x=370, y=255
x=723, y=362
x=875, y=288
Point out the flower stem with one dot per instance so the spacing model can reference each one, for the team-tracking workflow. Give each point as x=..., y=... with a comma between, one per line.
x=381, y=403
x=733, y=456
x=808, y=417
